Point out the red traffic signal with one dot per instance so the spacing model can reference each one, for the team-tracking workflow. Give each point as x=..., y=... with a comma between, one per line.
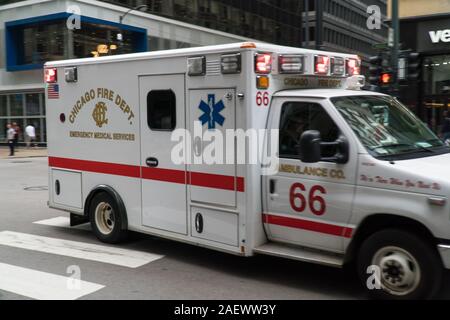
x=386, y=78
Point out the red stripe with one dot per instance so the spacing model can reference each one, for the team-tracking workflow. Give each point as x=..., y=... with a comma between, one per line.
x=97, y=167
x=320, y=227
x=167, y=175
x=214, y=181
x=217, y=181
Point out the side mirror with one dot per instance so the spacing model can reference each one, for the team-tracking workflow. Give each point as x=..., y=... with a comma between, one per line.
x=309, y=147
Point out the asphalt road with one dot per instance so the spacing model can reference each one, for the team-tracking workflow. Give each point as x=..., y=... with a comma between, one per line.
x=183, y=271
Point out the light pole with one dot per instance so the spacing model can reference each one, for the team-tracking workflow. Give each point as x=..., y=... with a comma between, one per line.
x=120, y=35
x=396, y=41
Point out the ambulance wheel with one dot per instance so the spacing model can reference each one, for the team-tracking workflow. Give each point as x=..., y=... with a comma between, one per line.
x=398, y=265
x=105, y=218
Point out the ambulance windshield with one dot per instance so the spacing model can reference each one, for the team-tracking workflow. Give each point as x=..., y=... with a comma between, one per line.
x=387, y=129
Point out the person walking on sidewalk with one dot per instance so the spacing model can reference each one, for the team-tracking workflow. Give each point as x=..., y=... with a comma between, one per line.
x=30, y=135
x=10, y=135
x=17, y=130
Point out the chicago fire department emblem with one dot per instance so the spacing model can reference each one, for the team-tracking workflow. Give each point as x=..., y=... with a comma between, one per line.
x=99, y=114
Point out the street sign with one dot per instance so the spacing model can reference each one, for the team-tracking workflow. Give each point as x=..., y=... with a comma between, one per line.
x=391, y=38
x=402, y=69
x=380, y=46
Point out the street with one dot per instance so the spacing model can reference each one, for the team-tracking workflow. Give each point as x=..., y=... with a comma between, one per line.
x=184, y=271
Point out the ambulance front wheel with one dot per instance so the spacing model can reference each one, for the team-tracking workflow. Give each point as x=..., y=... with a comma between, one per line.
x=399, y=265
x=105, y=218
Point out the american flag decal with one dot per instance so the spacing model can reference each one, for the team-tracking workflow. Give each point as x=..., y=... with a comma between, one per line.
x=53, y=91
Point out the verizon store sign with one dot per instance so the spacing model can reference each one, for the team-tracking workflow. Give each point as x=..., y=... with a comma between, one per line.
x=433, y=36
x=440, y=36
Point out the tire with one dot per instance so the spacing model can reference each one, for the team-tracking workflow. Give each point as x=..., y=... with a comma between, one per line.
x=106, y=219
x=409, y=266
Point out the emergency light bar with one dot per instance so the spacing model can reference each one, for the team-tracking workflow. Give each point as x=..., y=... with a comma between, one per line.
x=291, y=63
x=197, y=66
x=230, y=63
x=337, y=66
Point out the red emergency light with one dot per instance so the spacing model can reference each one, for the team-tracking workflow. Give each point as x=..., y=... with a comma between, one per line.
x=50, y=75
x=322, y=64
x=263, y=63
x=353, y=67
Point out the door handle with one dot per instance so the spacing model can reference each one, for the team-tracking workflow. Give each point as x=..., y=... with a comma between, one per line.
x=272, y=186
x=152, y=162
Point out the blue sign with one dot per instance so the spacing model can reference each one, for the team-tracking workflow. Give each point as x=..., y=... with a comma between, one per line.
x=211, y=112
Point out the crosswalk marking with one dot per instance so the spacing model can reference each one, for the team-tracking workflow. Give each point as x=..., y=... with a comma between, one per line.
x=62, y=222
x=75, y=249
x=42, y=285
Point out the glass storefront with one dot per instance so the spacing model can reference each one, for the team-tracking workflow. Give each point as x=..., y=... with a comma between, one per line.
x=86, y=40
x=43, y=42
x=436, y=89
x=31, y=44
x=24, y=109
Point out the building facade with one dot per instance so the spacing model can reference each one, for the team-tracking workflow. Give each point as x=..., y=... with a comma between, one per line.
x=425, y=28
x=35, y=31
x=333, y=25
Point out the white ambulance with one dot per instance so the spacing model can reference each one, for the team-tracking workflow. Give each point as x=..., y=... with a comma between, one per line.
x=359, y=180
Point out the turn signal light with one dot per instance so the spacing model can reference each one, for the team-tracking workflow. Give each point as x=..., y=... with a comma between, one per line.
x=262, y=82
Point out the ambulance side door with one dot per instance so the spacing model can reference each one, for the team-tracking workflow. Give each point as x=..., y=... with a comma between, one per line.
x=308, y=204
x=162, y=99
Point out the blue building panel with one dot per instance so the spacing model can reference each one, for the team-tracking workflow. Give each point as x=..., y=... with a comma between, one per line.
x=14, y=37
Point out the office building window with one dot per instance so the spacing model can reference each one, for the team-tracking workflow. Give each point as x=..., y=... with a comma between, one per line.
x=47, y=38
x=23, y=109
x=43, y=42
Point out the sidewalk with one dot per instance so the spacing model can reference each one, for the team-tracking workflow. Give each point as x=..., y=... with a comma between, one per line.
x=23, y=152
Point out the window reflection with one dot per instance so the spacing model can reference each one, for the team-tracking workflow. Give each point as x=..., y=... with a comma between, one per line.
x=33, y=114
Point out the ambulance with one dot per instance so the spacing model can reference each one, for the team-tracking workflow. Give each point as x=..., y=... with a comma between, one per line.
x=343, y=176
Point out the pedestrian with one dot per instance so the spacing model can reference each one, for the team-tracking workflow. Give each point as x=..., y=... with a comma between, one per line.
x=17, y=130
x=30, y=135
x=445, y=130
x=10, y=134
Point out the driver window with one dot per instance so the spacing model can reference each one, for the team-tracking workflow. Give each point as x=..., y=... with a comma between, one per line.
x=298, y=117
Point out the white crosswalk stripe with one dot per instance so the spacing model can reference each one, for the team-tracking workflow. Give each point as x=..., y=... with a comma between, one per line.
x=75, y=249
x=42, y=285
x=62, y=222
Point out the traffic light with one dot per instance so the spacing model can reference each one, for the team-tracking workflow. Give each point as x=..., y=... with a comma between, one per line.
x=386, y=78
x=375, y=69
x=413, y=66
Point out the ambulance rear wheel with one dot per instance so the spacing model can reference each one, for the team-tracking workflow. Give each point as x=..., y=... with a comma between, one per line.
x=105, y=218
x=399, y=265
